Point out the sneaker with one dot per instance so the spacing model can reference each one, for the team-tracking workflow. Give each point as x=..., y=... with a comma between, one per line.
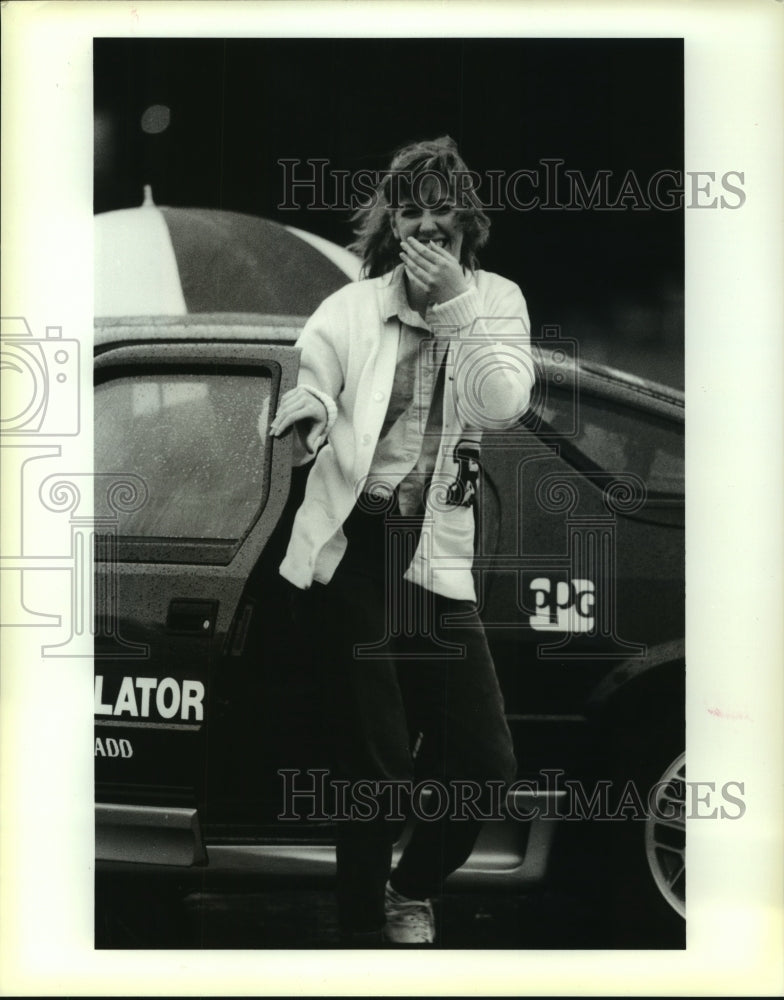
x=409, y=921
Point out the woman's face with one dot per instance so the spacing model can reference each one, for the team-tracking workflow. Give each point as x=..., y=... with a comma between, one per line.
x=439, y=223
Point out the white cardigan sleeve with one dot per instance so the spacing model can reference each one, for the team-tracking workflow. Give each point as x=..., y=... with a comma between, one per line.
x=321, y=373
x=493, y=369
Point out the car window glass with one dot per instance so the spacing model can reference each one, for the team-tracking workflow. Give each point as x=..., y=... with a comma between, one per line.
x=619, y=439
x=195, y=440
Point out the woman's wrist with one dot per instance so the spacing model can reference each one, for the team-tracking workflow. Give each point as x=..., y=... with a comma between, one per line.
x=330, y=410
x=453, y=291
x=461, y=310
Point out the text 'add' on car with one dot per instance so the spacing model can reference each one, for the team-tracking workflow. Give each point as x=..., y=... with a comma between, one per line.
x=209, y=752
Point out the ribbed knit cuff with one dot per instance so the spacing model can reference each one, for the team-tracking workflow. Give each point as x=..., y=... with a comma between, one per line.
x=460, y=311
x=329, y=405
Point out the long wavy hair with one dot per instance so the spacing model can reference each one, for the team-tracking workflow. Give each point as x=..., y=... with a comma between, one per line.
x=375, y=242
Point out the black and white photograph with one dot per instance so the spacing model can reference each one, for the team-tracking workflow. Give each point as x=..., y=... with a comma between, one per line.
x=383, y=560
x=392, y=628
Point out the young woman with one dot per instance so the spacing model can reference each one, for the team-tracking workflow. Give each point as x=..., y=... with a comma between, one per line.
x=400, y=373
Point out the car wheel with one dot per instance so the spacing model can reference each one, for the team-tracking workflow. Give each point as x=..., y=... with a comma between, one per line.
x=665, y=835
x=647, y=839
x=626, y=863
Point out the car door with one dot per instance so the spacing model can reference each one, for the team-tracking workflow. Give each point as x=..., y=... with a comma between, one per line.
x=188, y=490
x=581, y=550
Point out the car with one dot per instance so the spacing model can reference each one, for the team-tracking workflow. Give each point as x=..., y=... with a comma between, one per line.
x=210, y=768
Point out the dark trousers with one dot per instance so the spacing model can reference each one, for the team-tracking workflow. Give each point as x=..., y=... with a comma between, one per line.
x=398, y=677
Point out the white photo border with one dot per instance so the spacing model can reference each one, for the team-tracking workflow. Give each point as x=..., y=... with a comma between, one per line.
x=734, y=60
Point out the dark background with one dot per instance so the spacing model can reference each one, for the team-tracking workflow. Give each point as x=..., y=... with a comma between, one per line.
x=612, y=279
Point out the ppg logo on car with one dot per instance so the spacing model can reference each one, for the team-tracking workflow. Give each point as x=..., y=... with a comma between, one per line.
x=563, y=606
x=40, y=381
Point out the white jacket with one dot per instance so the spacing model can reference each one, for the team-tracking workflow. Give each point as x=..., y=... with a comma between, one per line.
x=348, y=356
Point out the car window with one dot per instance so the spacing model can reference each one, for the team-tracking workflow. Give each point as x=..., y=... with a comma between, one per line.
x=195, y=441
x=619, y=439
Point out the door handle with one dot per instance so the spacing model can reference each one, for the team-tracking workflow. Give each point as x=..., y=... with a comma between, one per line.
x=194, y=617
